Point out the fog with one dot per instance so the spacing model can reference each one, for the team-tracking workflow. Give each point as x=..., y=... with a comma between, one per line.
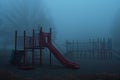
x=22, y=15
x=71, y=19
x=88, y=18
x=78, y=20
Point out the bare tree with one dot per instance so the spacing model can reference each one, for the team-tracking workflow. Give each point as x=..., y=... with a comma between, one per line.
x=24, y=15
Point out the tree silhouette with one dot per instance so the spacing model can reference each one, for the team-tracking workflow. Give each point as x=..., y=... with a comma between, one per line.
x=24, y=15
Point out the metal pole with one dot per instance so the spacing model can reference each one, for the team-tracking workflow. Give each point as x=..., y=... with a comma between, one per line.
x=15, y=40
x=15, y=46
x=98, y=48
x=33, y=61
x=50, y=37
x=24, y=47
x=40, y=44
x=50, y=58
x=50, y=41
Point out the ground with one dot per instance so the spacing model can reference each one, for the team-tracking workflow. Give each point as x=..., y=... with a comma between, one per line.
x=89, y=70
x=53, y=73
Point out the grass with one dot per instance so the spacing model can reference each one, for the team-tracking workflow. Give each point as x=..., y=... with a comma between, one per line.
x=58, y=73
x=5, y=75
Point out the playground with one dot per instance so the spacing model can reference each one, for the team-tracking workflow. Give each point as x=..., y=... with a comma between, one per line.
x=36, y=57
x=25, y=58
x=59, y=40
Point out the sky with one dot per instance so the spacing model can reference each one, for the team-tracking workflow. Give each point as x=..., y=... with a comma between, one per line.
x=83, y=19
x=72, y=19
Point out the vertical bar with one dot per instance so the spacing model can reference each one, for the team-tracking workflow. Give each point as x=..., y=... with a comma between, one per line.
x=33, y=48
x=93, y=46
x=50, y=41
x=104, y=48
x=111, y=48
x=50, y=58
x=40, y=36
x=108, y=46
x=40, y=55
x=15, y=47
x=98, y=48
x=101, y=48
x=40, y=44
x=50, y=37
x=73, y=47
x=90, y=44
x=78, y=51
x=24, y=47
x=15, y=40
x=70, y=47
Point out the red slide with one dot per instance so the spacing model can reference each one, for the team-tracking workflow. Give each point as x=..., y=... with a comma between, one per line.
x=60, y=57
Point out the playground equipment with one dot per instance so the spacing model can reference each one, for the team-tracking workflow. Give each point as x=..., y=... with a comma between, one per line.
x=100, y=48
x=38, y=41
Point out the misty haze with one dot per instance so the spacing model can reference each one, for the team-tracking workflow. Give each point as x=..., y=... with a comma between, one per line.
x=49, y=38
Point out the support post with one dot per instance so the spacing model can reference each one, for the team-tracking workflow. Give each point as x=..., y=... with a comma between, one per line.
x=50, y=58
x=33, y=61
x=104, y=48
x=15, y=47
x=49, y=40
x=40, y=44
x=50, y=35
x=15, y=40
x=24, y=47
x=93, y=48
x=41, y=56
x=98, y=48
